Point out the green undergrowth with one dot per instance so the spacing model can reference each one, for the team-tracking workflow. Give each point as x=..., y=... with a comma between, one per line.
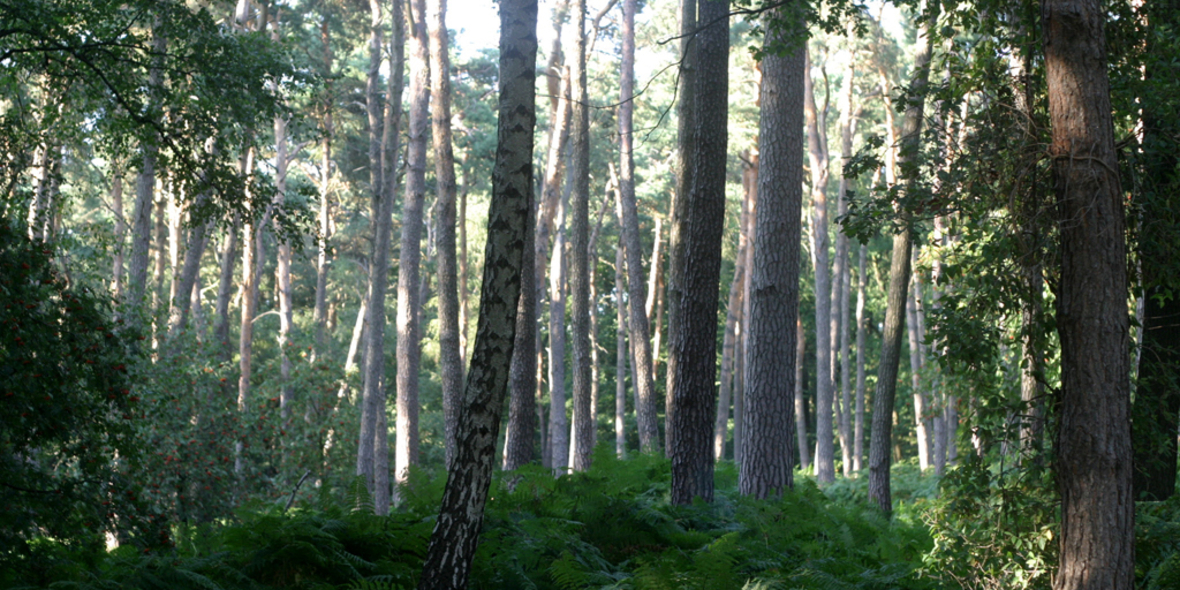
x=612, y=527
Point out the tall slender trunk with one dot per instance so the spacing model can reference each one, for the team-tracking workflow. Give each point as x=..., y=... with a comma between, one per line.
x=450, y=344
x=325, y=209
x=899, y=279
x=558, y=422
x=817, y=155
x=732, y=312
x=858, y=434
x=645, y=413
x=146, y=182
x=464, y=287
x=921, y=421
x=580, y=230
x=767, y=461
x=800, y=399
x=621, y=354
x=409, y=294
x=117, y=280
x=1094, y=454
x=694, y=342
x=654, y=306
x=842, y=272
x=523, y=382
x=249, y=295
x=685, y=158
x=229, y=257
x=456, y=535
x=283, y=268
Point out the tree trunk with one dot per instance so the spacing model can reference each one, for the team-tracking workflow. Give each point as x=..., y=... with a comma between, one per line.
x=522, y=410
x=325, y=209
x=817, y=151
x=373, y=447
x=580, y=229
x=146, y=183
x=117, y=280
x=921, y=424
x=843, y=275
x=225, y=285
x=283, y=274
x=800, y=400
x=733, y=310
x=767, y=456
x=899, y=279
x=558, y=422
x=450, y=349
x=456, y=533
x=645, y=413
x=678, y=226
x=1094, y=441
x=694, y=343
x=409, y=295
x=621, y=354
x=858, y=435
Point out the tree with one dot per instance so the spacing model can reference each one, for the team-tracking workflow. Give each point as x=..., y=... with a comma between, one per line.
x=767, y=451
x=456, y=534
x=583, y=436
x=645, y=413
x=899, y=279
x=383, y=119
x=1094, y=437
x=694, y=341
x=450, y=353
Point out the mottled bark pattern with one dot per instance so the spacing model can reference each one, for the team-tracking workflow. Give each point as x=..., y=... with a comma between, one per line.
x=769, y=437
x=456, y=534
x=1094, y=440
x=695, y=342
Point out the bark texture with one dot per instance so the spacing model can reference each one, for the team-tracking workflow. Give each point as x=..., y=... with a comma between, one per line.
x=1094, y=437
x=767, y=455
x=456, y=534
x=694, y=343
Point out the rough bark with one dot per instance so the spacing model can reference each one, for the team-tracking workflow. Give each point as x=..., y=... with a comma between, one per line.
x=899, y=279
x=450, y=347
x=694, y=343
x=456, y=534
x=677, y=228
x=767, y=456
x=1094, y=438
x=817, y=157
x=580, y=234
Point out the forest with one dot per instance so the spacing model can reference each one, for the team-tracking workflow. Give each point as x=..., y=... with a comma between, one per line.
x=701, y=294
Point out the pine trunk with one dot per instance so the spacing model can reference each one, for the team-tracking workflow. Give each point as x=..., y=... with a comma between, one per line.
x=694, y=342
x=449, y=340
x=1094, y=438
x=767, y=456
